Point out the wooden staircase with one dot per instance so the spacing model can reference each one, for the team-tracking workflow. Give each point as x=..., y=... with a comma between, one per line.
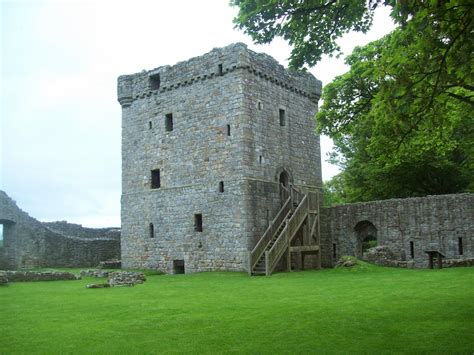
x=298, y=210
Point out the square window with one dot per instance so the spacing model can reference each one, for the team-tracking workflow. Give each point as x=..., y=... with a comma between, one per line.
x=154, y=81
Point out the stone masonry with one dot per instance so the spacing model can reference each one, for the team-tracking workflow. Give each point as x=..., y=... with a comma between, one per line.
x=407, y=227
x=28, y=243
x=205, y=145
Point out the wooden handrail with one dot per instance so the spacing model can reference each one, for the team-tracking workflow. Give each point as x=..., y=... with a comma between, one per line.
x=259, y=249
x=284, y=239
x=274, y=254
x=298, y=217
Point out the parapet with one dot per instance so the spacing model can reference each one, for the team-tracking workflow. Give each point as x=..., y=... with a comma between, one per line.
x=218, y=62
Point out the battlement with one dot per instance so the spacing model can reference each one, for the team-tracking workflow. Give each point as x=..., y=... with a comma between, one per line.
x=218, y=62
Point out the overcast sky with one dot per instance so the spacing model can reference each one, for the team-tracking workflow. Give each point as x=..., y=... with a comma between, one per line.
x=60, y=120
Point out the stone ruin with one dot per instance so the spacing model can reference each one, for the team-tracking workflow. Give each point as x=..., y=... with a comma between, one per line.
x=206, y=145
x=29, y=243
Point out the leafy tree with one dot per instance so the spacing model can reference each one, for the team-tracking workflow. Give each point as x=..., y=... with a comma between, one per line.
x=402, y=117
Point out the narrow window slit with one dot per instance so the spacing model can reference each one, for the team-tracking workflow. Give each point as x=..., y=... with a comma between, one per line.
x=169, y=122
x=228, y=130
x=220, y=69
x=198, y=222
x=282, y=115
x=460, y=246
x=155, y=179
x=221, y=186
x=151, y=230
x=412, y=250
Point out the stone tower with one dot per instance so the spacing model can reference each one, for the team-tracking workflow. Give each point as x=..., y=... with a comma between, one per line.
x=206, y=144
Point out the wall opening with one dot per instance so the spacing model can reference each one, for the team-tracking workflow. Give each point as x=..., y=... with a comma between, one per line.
x=260, y=159
x=155, y=179
x=198, y=222
x=178, y=266
x=7, y=231
x=334, y=251
x=228, y=130
x=412, y=250
x=460, y=246
x=220, y=70
x=154, y=81
x=151, y=230
x=169, y=122
x=366, y=235
x=259, y=106
x=221, y=186
x=150, y=125
x=284, y=178
x=282, y=115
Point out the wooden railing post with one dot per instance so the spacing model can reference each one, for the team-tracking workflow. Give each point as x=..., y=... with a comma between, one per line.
x=249, y=263
x=267, y=264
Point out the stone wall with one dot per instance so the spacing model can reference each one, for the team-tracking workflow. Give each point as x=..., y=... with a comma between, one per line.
x=77, y=230
x=408, y=227
x=226, y=109
x=28, y=243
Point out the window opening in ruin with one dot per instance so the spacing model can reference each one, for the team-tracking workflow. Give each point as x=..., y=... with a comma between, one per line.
x=178, y=266
x=412, y=250
x=155, y=179
x=282, y=117
x=169, y=122
x=259, y=106
x=460, y=247
x=154, y=81
x=150, y=125
x=260, y=159
x=151, y=230
x=1, y=235
x=221, y=186
x=198, y=222
x=220, y=70
x=228, y=130
x=334, y=250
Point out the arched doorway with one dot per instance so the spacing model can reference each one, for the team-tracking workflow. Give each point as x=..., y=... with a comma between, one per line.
x=366, y=236
x=284, y=178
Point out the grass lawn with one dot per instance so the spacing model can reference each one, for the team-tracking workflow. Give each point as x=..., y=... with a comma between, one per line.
x=367, y=309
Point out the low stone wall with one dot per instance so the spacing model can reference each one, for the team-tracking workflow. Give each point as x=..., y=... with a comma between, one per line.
x=28, y=243
x=16, y=276
x=408, y=227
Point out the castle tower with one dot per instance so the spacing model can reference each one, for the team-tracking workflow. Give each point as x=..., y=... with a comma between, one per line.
x=206, y=144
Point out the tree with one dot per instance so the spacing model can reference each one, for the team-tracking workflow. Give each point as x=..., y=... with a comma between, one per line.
x=401, y=118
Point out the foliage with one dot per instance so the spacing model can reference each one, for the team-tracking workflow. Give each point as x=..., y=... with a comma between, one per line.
x=402, y=117
x=333, y=191
x=328, y=311
x=311, y=27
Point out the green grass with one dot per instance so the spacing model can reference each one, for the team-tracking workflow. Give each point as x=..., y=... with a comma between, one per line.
x=366, y=309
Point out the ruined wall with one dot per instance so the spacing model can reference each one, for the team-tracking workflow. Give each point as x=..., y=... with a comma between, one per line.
x=27, y=243
x=225, y=108
x=408, y=227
